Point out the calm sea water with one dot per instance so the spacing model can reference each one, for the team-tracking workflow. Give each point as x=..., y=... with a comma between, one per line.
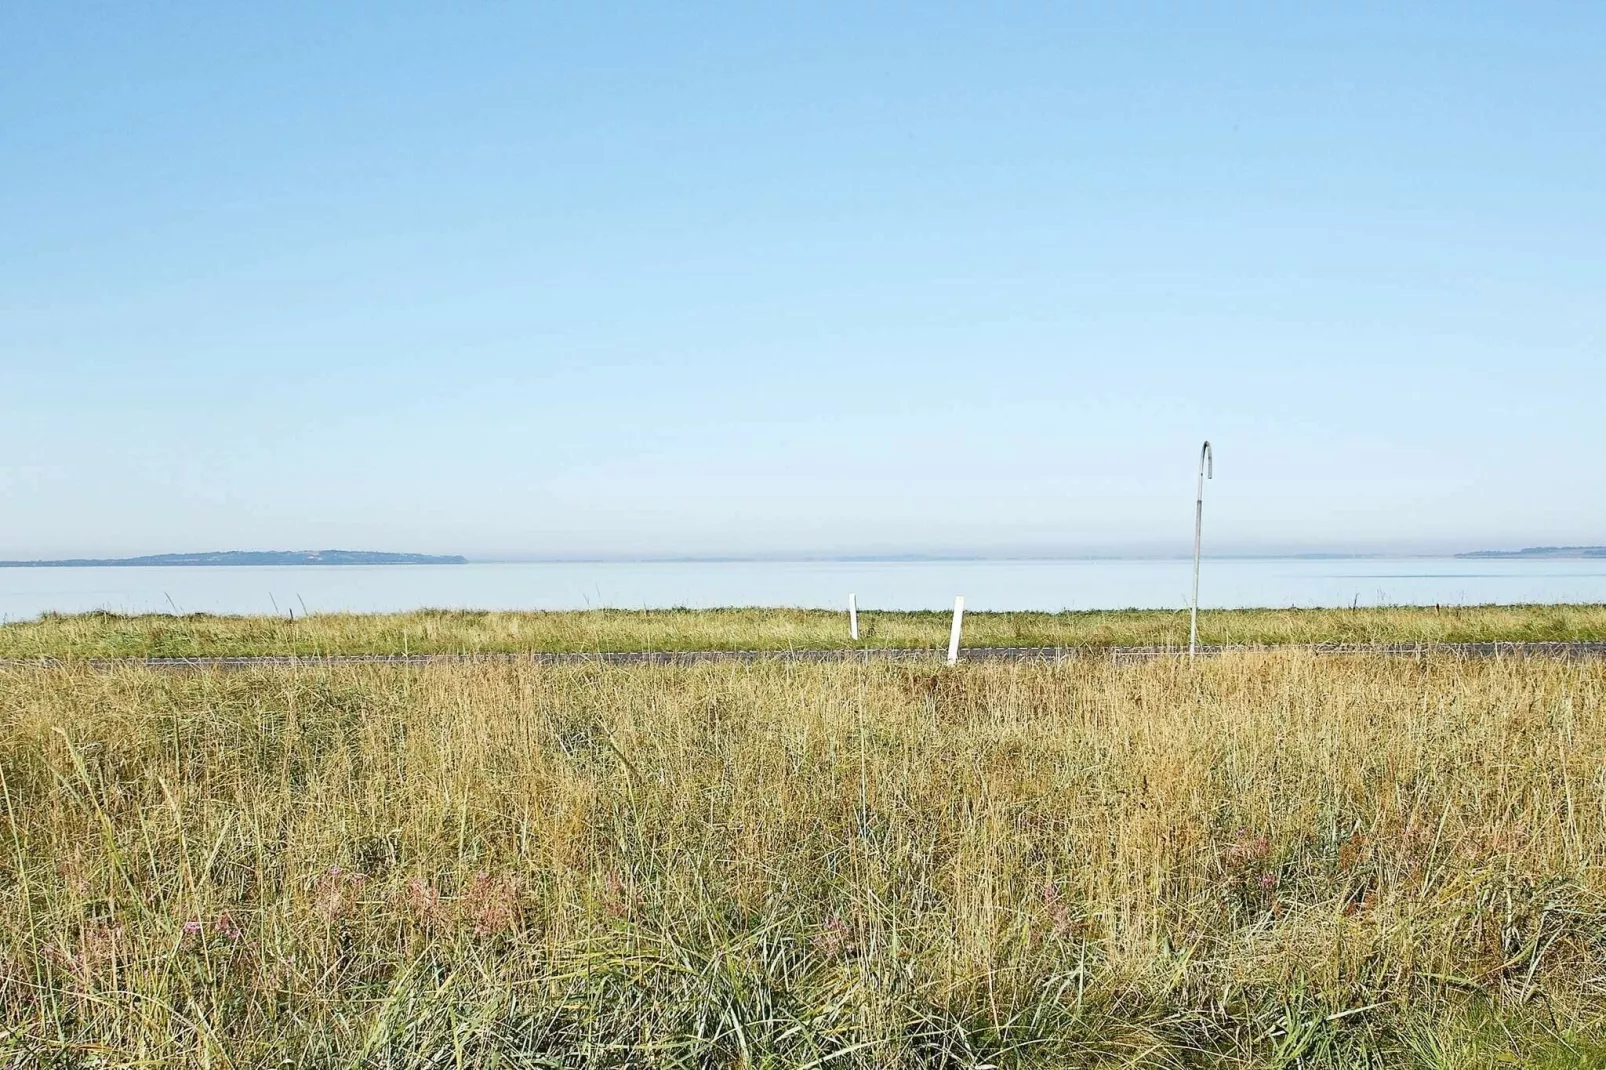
x=995, y=585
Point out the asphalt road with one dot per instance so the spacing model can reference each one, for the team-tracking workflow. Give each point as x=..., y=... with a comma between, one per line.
x=1565, y=650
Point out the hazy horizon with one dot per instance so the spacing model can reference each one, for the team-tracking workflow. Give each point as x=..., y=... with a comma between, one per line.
x=867, y=554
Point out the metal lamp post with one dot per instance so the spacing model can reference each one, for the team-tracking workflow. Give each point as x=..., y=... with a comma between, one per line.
x=1207, y=469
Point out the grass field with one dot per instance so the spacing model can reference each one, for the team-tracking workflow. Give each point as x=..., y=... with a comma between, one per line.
x=452, y=632
x=1264, y=860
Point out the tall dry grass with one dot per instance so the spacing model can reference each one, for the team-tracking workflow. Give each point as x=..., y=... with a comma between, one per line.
x=451, y=631
x=1264, y=859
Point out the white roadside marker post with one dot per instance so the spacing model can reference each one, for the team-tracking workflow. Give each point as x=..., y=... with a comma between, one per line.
x=853, y=619
x=953, y=636
x=1207, y=467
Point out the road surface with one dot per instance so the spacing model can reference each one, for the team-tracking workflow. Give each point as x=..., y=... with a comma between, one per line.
x=1565, y=650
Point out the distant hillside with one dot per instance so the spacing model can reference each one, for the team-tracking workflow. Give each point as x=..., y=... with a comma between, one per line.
x=1542, y=552
x=249, y=557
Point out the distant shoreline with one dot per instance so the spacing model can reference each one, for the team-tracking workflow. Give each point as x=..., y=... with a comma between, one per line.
x=237, y=558
x=1543, y=553
x=294, y=558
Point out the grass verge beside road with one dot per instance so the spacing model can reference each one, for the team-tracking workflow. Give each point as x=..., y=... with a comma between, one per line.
x=101, y=635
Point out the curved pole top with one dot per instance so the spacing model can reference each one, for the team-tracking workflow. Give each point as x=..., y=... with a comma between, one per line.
x=1207, y=460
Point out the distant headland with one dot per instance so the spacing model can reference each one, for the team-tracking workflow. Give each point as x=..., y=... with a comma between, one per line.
x=1542, y=551
x=248, y=557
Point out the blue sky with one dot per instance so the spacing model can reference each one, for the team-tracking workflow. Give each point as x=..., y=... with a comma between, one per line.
x=695, y=279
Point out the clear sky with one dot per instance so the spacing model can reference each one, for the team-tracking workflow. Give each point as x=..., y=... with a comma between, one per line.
x=523, y=279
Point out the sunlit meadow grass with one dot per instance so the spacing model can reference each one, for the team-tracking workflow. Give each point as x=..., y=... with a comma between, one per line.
x=1265, y=859
x=443, y=631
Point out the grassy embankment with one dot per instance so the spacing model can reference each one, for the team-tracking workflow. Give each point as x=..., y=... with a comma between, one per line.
x=437, y=631
x=1266, y=860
